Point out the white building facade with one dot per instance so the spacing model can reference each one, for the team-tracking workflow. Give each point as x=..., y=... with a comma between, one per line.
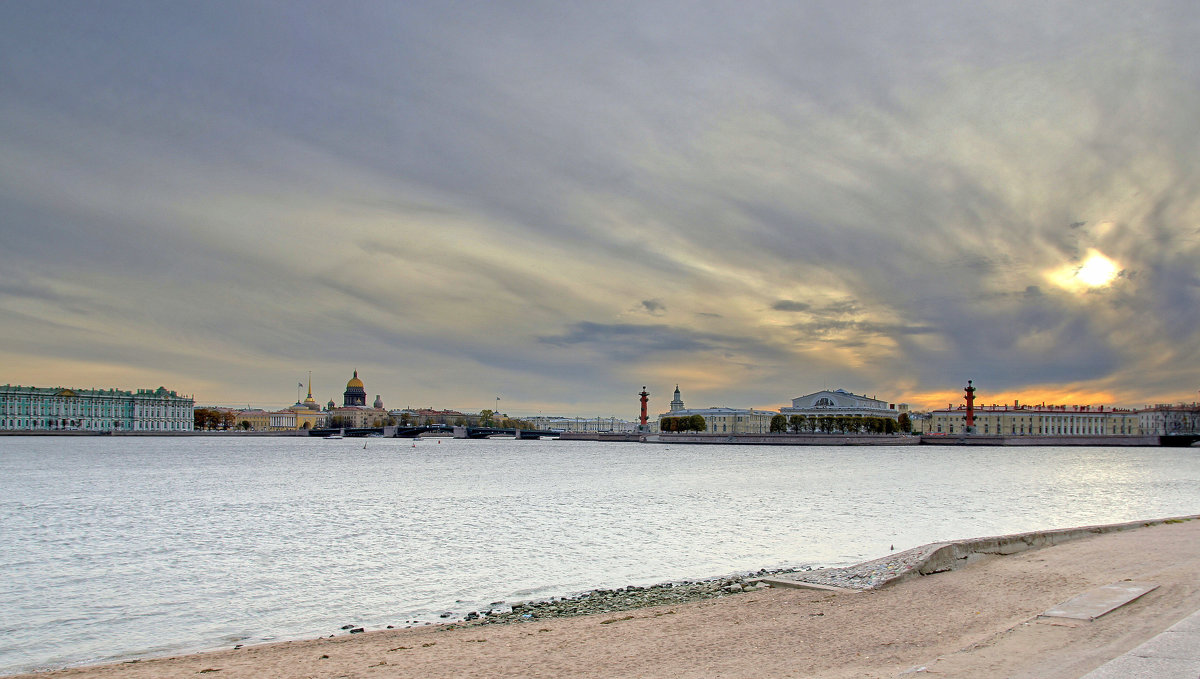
x=1040, y=420
x=101, y=410
x=840, y=403
x=581, y=424
x=1166, y=419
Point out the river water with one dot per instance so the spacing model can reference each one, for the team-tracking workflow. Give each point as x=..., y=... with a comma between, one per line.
x=114, y=548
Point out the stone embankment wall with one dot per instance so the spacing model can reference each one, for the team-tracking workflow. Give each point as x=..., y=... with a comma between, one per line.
x=984, y=440
x=579, y=436
x=789, y=439
x=901, y=440
x=948, y=556
x=599, y=436
x=938, y=557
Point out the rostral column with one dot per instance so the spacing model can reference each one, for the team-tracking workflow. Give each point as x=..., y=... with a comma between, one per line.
x=970, y=407
x=645, y=395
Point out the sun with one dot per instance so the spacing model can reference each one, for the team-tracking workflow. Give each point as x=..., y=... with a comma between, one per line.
x=1096, y=271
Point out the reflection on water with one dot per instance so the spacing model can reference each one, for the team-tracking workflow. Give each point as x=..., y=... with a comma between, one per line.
x=111, y=547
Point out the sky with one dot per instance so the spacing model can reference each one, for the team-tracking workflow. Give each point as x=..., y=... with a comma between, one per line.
x=555, y=204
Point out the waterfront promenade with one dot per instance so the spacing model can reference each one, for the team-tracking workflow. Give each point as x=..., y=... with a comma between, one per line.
x=980, y=620
x=1028, y=440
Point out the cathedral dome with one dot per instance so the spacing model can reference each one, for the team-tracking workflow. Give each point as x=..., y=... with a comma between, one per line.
x=355, y=394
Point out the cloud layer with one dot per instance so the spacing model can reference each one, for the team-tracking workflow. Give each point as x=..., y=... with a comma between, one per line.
x=560, y=203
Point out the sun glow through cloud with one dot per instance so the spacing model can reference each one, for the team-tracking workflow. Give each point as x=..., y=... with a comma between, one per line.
x=1096, y=271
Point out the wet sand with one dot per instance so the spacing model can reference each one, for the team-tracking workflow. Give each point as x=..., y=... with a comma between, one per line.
x=977, y=621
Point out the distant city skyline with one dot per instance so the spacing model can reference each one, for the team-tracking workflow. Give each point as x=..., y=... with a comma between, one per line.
x=558, y=204
x=667, y=406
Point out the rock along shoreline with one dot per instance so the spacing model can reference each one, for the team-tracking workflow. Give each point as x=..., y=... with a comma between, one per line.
x=620, y=599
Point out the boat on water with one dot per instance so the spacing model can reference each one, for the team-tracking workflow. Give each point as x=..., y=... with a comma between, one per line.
x=340, y=435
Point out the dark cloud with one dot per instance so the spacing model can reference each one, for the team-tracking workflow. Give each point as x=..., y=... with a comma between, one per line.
x=838, y=308
x=624, y=337
x=846, y=331
x=653, y=307
x=790, y=305
x=626, y=341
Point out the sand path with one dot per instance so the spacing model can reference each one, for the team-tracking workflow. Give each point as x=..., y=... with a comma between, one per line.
x=979, y=621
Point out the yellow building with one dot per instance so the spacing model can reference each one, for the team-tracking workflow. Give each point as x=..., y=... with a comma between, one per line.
x=306, y=418
x=257, y=419
x=358, y=417
x=291, y=419
x=723, y=420
x=1043, y=420
x=728, y=420
x=288, y=419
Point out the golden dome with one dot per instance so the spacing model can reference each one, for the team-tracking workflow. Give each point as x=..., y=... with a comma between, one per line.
x=354, y=381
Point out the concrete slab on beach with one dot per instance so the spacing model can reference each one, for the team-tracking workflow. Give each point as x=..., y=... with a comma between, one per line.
x=1096, y=602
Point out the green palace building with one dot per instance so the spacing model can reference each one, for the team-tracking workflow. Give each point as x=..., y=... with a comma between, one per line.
x=99, y=410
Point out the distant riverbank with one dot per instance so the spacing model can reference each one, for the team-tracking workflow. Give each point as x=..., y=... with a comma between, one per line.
x=777, y=439
x=170, y=434
x=780, y=439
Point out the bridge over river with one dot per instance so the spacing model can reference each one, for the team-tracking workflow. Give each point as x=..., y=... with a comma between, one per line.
x=458, y=432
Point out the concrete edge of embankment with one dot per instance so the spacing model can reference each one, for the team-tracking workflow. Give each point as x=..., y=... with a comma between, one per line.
x=939, y=557
x=951, y=555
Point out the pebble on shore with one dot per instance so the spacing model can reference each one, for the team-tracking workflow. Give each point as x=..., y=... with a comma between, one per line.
x=863, y=576
x=621, y=599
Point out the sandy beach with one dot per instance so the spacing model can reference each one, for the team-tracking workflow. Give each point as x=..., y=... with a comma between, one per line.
x=976, y=621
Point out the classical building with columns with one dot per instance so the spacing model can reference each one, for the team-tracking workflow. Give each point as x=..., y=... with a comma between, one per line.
x=841, y=403
x=64, y=409
x=1036, y=420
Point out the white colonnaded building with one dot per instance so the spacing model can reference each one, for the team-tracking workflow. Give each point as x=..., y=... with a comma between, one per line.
x=841, y=403
x=1036, y=420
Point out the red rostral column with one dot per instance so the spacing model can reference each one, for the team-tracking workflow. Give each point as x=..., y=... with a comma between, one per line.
x=970, y=407
x=645, y=395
